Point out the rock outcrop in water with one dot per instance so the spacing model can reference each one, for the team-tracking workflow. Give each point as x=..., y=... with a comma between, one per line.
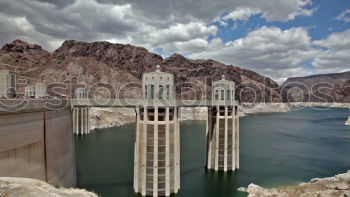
x=24, y=187
x=337, y=186
x=110, y=117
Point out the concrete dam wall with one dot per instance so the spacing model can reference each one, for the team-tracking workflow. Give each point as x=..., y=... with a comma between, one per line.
x=38, y=144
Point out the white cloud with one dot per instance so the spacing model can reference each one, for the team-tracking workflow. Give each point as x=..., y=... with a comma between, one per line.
x=241, y=14
x=179, y=26
x=180, y=33
x=344, y=16
x=302, y=11
x=268, y=50
x=278, y=53
x=272, y=11
x=244, y=13
x=335, y=56
x=90, y=20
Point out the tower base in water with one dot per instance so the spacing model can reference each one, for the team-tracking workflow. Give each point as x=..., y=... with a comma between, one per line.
x=222, y=138
x=157, y=151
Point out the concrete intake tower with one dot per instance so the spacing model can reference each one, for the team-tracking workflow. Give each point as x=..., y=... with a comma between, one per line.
x=222, y=137
x=157, y=147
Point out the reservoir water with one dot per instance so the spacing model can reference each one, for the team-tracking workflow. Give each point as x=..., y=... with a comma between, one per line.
x=276, y=149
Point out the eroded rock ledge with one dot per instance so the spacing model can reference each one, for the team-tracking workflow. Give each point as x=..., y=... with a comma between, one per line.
x=18, y=187
x=337, y=186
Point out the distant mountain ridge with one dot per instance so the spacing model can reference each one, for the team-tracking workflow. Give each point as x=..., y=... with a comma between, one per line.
x=331, y=78
x=120, y=67
x=335, y=85
x=118, y=64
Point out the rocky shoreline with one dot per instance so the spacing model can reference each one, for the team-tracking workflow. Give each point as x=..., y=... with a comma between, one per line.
x=337, y=186
x=17, y=187
x=111, y=117
x=319, y=104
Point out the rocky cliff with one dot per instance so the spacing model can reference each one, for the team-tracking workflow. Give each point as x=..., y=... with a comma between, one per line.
x=101, y=63
x=334, y=87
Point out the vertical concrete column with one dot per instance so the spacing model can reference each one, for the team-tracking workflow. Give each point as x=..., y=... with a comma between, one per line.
x=208, y=138
x=237, y=142
x=73, y=116
x=84, y=120
x=81, y=121
x=136, y=151
x=167, y=153
x=155, y=155
x=144, y=153
x=177, y=150
x=234, y=149
x=77, y=121
x=226, y=140
x=216, y=131
x=88, y=119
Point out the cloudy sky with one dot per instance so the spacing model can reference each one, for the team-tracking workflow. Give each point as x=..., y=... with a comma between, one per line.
x=277, y=38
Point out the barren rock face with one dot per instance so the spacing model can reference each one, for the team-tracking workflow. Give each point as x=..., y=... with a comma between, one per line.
x=120, y=67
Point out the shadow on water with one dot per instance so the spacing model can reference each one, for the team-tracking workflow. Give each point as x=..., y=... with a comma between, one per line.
x=276, y=149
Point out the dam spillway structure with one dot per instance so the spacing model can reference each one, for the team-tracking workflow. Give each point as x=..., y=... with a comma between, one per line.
x=157, y=147
x=222, y=135
x=81, y=116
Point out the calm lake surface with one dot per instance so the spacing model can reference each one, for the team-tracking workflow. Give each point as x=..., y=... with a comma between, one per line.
x=276, y=149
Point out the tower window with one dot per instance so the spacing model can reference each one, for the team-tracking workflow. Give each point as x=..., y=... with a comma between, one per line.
x=152, y=91
x=222, y=94
x=168, y=91
x=160, y=92
x=146, y=96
